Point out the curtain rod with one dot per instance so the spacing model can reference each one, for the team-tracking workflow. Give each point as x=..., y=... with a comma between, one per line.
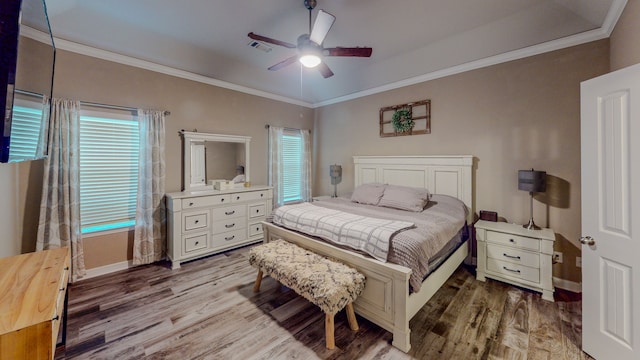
x=267, y=126
x=117, y=107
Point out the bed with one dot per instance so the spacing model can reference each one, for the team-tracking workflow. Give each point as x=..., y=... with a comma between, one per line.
x=387, y=300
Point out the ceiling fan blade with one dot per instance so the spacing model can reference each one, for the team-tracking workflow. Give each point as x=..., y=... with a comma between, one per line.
x=321, y=27
x=286, y=62
x=345, y=51
x=270, y=40
x=324, y=70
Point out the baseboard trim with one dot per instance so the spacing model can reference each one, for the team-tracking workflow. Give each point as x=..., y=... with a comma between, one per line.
x=564, y=284
x=107, y=269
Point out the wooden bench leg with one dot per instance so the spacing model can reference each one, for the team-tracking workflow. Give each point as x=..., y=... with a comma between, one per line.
x=328, y=331
x=256, y=286
x=351, y=317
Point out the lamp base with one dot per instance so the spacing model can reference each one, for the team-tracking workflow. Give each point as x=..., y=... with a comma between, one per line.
x=531, y=225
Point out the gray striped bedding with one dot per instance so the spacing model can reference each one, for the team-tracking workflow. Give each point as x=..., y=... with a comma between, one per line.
x=435, y=227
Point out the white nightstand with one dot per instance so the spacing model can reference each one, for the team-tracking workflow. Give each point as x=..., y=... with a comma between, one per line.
x=321, y=197
x=513, y=254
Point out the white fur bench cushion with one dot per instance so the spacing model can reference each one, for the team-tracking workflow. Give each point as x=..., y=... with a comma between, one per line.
x=328, y=284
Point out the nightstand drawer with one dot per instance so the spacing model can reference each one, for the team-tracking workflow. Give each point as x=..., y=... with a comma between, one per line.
x=513, y=240
x=515, y=256
x=513, y=270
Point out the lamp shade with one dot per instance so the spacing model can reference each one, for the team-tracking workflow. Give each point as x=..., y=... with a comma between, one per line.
x=335, y=171
x=532, y=180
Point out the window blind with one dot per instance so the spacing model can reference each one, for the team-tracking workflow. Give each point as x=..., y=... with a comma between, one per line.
x=292, y=166
x=25, y=132
x=109, y=151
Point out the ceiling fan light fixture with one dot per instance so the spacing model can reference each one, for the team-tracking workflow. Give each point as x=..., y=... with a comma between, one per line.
x=310, y=60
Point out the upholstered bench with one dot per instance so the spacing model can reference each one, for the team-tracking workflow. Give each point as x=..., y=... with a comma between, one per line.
x=328, y=284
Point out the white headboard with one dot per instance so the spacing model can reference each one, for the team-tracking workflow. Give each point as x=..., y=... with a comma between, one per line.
x=448, y=175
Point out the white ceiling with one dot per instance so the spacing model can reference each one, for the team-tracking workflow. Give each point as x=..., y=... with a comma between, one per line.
x=412, y=40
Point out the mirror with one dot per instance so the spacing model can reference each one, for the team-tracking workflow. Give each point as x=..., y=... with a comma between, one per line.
x=211, y=157
x=26, y=79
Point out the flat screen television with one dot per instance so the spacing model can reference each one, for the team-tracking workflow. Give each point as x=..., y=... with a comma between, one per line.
x=27, y=60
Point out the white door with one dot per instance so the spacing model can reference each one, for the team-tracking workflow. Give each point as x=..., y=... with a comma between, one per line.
x=610, y=137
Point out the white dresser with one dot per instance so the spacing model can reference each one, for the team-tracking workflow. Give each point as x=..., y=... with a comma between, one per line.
x=201, y=223
x=513, y=254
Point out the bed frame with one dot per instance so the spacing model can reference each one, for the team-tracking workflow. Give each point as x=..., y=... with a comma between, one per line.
x=386, y=300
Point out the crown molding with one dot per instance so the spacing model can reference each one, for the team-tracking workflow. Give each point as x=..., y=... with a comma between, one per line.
x=615, y=11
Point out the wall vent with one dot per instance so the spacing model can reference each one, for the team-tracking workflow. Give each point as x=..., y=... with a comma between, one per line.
x=260, y=45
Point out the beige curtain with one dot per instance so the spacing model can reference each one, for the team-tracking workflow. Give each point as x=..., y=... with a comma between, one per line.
x=59, y=223
x=276, y=165
x=150, y=230
x=307, y=184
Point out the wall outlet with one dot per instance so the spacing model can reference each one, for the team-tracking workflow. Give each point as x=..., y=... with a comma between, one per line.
x=557, y=257
x=578, y=261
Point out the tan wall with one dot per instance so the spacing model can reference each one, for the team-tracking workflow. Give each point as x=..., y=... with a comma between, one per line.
x=625, y=47
x=511, y=116
x=193, y=105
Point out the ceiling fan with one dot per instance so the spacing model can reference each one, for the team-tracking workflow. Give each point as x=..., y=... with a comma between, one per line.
x=310, y=49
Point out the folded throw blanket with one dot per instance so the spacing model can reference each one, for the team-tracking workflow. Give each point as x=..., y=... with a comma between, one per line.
x=358, y=232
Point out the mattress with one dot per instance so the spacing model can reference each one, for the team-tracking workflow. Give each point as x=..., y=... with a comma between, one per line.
x=439, y=229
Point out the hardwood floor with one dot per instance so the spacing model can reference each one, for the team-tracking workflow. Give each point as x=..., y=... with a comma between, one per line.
x=207, y=310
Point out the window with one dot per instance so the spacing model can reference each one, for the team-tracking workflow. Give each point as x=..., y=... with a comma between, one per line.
x=26, y=127
x=109, y=148
x=292, y=166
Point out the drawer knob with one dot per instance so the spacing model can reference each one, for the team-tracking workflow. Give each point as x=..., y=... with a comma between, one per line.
x=197, y=242
x=587, y=240
x=230, y=238
x=56, y=318
x=237, y=197
x=197, y=221
x=257, y=211
x=511, y=270
x=229, y=226
x=229, y=212
x=222, y=200
x=261, y=195
x=511, y=256
x=512, y=241
x=190, y=204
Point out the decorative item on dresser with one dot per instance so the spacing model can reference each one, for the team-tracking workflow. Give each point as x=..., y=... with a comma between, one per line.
x=518, y=256
x=33, y=293
x=206, y=222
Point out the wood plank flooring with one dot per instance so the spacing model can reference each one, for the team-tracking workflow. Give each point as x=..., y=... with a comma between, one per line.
x=207, y=310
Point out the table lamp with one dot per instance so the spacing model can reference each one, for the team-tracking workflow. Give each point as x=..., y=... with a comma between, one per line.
x=532, y=181
x=335, y=171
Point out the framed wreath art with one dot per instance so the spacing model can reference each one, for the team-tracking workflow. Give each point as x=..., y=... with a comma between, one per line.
x=406, y=119
x=402, y=121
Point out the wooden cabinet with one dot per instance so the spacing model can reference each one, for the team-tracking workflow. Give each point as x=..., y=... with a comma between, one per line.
x=206, y=222
x=513, y=254
x=32, y=298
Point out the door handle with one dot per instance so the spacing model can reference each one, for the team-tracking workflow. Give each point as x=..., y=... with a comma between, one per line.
x=587, y=240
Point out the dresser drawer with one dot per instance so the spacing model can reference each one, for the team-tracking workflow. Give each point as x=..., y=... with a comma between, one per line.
x=195, y=202
x=229, y=212
x=193, y=243
x=513, y=240
x=228, y=238
x=511, y=270
x=251, y=195
x=255, y=229
x=226, y=225
x=195, y=220
x=513, y=255
x=257, y=210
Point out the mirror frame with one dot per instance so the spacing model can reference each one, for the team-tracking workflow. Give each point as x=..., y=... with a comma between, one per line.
x=189, y=137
